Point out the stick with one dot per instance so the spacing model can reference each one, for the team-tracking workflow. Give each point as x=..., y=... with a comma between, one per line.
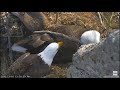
x=57, y=15
x=101, y=21
x=82, y=22
x=9, y=39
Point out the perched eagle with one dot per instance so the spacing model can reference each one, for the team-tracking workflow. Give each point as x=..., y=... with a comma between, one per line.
x=91, y=36
x=67, y=50
x=35, y=65
x=63, y=56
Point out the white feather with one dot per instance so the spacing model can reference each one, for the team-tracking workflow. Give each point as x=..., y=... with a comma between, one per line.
x=91, y=36
x=49, y=52
x=18, y=48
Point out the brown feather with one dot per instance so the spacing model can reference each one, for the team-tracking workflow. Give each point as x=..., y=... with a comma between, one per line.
x=30, y=65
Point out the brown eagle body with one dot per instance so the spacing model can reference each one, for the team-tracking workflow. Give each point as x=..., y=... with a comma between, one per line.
x=29, y=65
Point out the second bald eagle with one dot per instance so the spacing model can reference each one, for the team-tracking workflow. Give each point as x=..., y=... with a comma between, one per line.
x=35, y=65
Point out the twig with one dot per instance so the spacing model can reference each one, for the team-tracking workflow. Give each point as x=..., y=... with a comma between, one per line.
x=82, y=22
x=9, y=39
x=111, y=18
x=101, y=21
x=104, y=17
x=56, y=20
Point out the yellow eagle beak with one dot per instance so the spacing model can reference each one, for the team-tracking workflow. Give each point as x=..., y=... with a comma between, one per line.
x=60, y=43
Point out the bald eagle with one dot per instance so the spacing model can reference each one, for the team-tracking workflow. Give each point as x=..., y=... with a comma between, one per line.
x=35, y=65
x=91, y=36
